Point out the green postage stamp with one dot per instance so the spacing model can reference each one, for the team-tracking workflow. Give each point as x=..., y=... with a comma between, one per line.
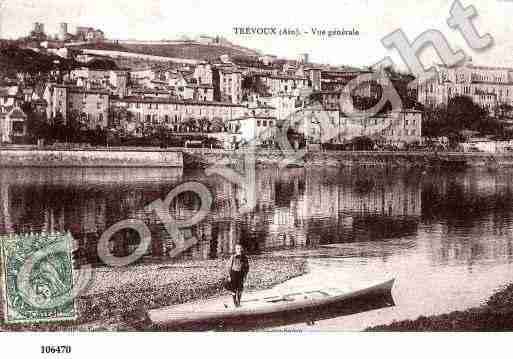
x=38, y=277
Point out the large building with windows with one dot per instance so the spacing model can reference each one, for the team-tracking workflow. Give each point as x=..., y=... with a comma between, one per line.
x=330, y=126
x=13, y=125
x=257, y=126
x=486, y=86
x=176, y=115
x=87, y=109
x=227, y=84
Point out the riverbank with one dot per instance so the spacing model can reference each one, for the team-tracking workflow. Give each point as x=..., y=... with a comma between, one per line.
x=33, y=156
x=365, y=159
x=494, y=315
x=118, y=295
x=84, y=157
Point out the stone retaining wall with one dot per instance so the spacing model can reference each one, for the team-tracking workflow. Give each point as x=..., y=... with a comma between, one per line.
x=204, y=157
x=89, y=158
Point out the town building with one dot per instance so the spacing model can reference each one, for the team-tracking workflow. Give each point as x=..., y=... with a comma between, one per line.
x=336, y=78
x=38, y=32
x=76, y=106
x=11, y=96
x=150, y=92
x=323, y=126
x=328, y=99
x=90, y=78
x=202, y=92
x=227, y=83
x=203, y=74
x=13, y=125
x=119, y=79
x=283, y=84
x=257, y=129
x=85, y=33
x=488, y=87
x=142, y=76
x=177, y=115
x=284, y=104
x=63, y=34
x=486, y=145
x=314, y=75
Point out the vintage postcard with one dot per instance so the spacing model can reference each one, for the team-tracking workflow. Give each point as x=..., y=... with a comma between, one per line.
x=270, y=167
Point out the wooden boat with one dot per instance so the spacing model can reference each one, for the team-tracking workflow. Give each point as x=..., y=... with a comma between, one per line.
x=259, y=310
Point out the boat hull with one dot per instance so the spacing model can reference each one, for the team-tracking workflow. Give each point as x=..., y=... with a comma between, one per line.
x=283, y=312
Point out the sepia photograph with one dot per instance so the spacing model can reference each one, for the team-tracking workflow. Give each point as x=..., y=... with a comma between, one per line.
x=267, y=168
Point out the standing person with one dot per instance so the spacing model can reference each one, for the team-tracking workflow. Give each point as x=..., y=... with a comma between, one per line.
x=238, y=268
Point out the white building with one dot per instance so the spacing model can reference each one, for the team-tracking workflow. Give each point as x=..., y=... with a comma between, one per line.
x=486, y=86
x=255, y=129
x=13, y=125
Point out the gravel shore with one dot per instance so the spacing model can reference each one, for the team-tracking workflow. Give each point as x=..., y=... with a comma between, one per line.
x=494, y=315
x=117, y=293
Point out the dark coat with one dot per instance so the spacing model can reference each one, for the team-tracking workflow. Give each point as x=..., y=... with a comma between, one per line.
x=244, y=264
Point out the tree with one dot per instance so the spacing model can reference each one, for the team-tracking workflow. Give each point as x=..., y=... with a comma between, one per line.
x=255, y=84
x=37, y=126
x=504, y=111
x=217, y=125
x=461, y=113
x=204, y=124
x=118, y=116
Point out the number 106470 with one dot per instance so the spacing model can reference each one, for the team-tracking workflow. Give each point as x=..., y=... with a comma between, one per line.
x=55, y=349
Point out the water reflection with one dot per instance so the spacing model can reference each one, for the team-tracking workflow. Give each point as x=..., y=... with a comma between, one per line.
x=368, y=212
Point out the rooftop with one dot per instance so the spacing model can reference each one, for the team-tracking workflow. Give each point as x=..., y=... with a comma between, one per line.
x=170, y=100
x=77, y=89
x=252, y=117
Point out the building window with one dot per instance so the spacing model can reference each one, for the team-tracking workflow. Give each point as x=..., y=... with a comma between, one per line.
x=258, y=123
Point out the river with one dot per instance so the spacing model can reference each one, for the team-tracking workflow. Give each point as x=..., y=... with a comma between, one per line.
x=446, y=236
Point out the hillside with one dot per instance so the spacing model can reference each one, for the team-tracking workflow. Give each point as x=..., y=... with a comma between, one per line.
x=14, y=59
x=185, y=49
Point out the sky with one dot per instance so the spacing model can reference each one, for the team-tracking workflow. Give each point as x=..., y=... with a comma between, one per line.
x=374, y=19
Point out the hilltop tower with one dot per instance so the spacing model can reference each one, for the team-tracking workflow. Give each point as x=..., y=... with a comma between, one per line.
x=63, y=31
x=39, y=28
x=38, y=33
x=303, y=58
